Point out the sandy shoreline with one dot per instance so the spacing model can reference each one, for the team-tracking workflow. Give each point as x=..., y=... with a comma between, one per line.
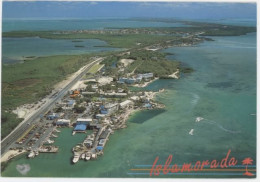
x=175, y=74
x=11, y=154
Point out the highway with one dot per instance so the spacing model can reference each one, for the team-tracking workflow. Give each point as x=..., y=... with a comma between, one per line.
x=20, y=129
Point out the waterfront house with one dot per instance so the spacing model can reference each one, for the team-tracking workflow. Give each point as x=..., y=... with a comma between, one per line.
x=80, y=128
x=145, y=75
x=85, y=121
x=62, y=122
x=126, y=103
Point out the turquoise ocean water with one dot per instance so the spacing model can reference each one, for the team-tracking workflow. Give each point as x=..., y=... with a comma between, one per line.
x=18, y=48
x=222, y=90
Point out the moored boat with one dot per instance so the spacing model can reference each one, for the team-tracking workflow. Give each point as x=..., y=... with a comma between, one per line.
x=31, y=154
x=83, y=156
x=76, y=158
x=88, y=156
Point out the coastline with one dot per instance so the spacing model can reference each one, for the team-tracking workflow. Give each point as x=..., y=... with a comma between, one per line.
x=142, y=85
x=11, y=154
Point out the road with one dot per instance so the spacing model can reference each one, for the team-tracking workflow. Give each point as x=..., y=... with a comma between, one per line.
x=20, y=129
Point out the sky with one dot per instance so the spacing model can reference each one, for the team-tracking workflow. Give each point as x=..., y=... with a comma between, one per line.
x=86, y=10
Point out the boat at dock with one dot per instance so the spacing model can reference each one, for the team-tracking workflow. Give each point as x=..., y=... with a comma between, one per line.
x=50, y=141
x=31, y=154
x=88, y=156
x=83, y=156
x=36, y=152
x=58, y=131
x=48, y=149
x=94, y=156
x=55, y=136
x=76, y=158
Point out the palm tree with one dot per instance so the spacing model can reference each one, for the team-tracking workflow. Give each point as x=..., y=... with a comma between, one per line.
x=247, y=161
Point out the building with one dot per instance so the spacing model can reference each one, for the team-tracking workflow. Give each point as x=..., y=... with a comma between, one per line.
x=88, y=93
x=108, y=108
x=134, y=98
x=99, y=148
x=126, y=103
x=86, y=121
x=100, y=116
x=102, y=142
x=127, y=80
x=80, y=127
x=145, y=75
x=147, y=105
x=52, y=116
x=71, y=103
x=62, y=122
x=114, y=94
x=111, y=107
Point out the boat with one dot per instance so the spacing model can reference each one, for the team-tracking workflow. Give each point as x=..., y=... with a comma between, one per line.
x=83, y=156
x=191, y=132
x=50, y=141
x=88, y=156
x=55, y=136
x=76, y=158
x=31, y=154
x=94, y=156
x=198, y=119
x=36, y=152
x=58, y=131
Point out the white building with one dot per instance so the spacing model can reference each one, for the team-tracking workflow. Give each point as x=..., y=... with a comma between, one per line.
x=126, y=103
x=63, y=122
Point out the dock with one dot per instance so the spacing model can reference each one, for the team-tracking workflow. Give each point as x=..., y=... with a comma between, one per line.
x=48, y=149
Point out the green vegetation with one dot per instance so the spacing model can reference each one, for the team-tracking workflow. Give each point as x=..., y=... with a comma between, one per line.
x=110, y=61
x=151, y=61
x=209, y=29
x=94, y=68
x=8, y=122
x=79, y=109
x=31, y=81
x=114, y=40
x=34, y=79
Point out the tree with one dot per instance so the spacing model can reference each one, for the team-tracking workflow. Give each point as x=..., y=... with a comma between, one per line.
x=79, y=109
x=247, y=161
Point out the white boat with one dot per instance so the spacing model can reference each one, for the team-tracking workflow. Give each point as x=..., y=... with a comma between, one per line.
x=198, y=119
x=83, y=156
x=94, y=156
x=55, y=136
x=36, y=152
x=75, y=159
x=50, y=141
x=191, y=132
x=58, y=131
x=88, y=156
x=31, y=154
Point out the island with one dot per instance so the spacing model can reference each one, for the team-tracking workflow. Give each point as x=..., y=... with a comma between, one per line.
x=92, y=92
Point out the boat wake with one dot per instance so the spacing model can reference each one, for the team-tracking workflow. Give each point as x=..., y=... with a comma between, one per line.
x=221, y=127
x=195, y=99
